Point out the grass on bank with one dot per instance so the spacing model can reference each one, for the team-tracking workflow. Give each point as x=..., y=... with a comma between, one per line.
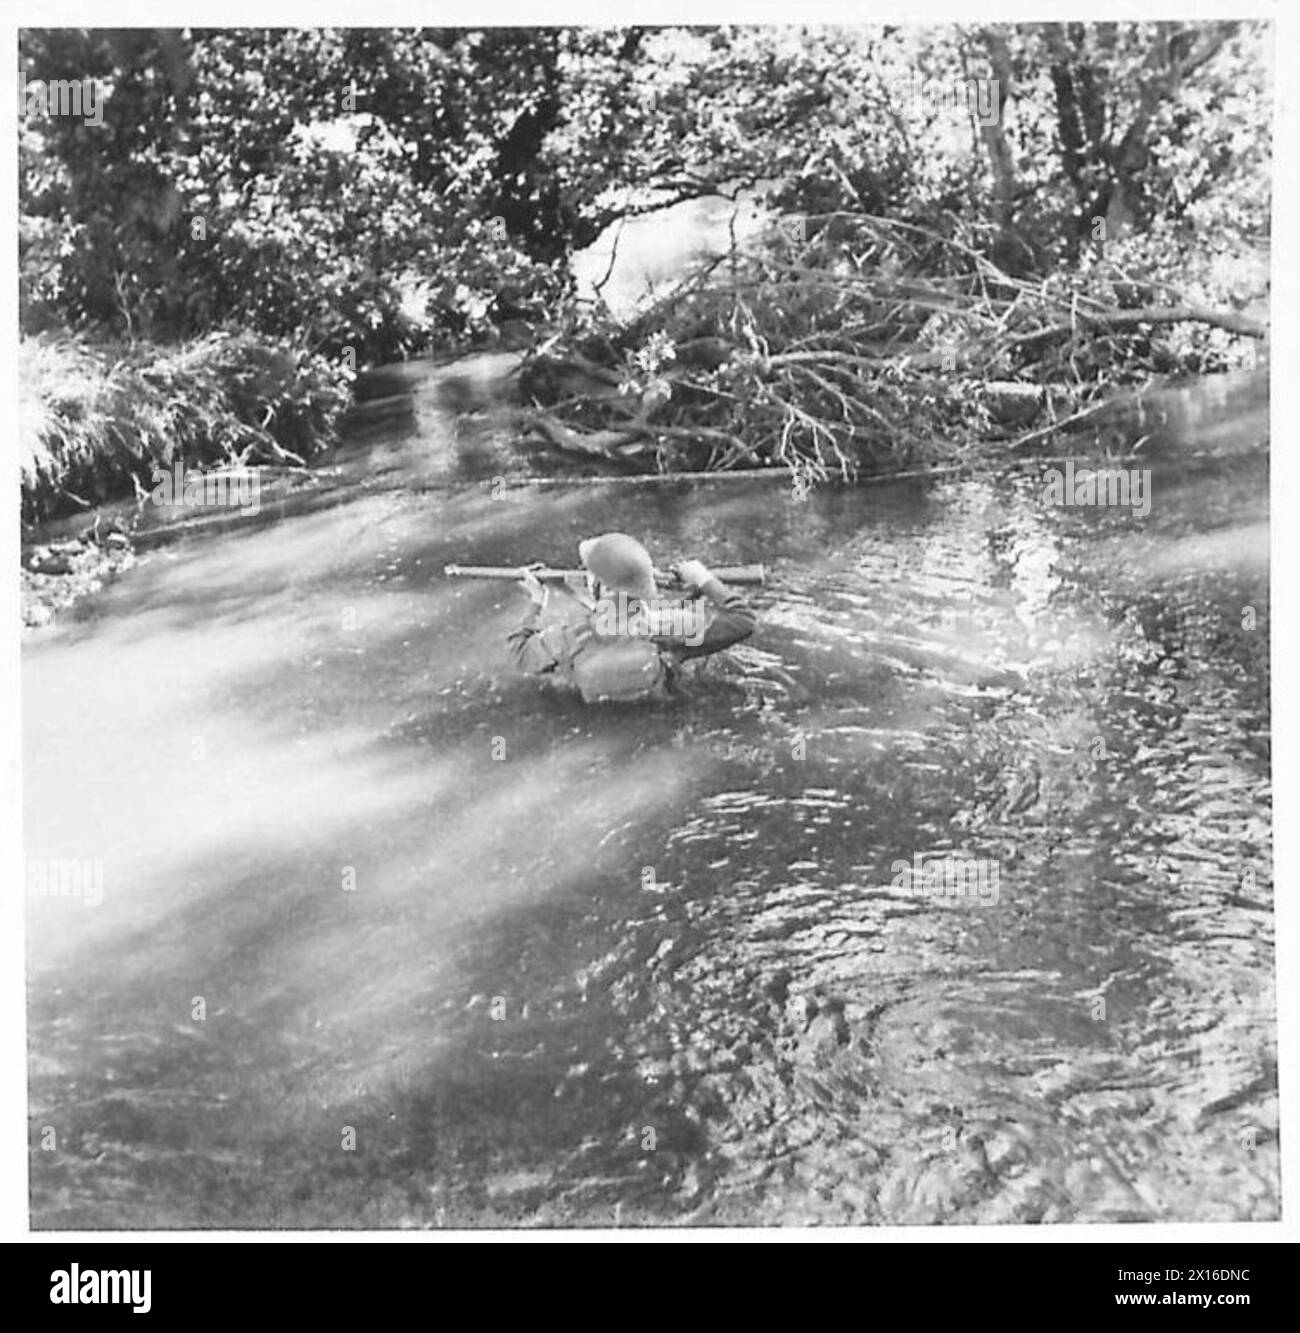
x=97, y=421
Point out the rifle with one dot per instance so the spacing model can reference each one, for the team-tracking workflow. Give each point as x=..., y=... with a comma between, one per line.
x=741, y=575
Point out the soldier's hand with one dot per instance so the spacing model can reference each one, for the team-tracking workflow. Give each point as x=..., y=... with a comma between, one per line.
x=691, y=573
x=532, y=585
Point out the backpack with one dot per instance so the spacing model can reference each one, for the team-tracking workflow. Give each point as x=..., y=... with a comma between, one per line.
x=619, y=668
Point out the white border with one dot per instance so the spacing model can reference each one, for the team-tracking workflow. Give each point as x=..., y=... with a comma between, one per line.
x=472, y=13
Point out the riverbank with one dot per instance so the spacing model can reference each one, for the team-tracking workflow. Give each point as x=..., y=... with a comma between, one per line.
x=442, y=424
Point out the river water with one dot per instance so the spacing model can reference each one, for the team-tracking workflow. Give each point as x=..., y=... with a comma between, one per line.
x=389, y=937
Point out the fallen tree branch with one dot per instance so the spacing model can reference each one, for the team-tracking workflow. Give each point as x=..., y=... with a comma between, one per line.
x=1219, y=319
x=874, y=342
x=597, y=443
x=1052, y=427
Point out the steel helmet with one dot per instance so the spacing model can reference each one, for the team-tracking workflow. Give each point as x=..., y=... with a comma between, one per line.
x=619, y=562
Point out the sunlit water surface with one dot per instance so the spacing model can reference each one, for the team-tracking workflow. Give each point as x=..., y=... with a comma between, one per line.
x=392, y=938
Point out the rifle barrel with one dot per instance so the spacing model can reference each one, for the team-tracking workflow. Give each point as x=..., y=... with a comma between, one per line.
x=741, y=575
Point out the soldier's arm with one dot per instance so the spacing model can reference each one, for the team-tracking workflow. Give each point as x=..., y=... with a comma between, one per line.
x=531, y=648
x=730, y=617
x=538, y=648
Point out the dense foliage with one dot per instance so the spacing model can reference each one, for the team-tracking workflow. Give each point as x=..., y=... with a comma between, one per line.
x=96, y=423
x=372, y=189
x=361, y=195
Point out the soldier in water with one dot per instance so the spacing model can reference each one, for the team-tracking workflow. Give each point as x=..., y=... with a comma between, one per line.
x=628, y=641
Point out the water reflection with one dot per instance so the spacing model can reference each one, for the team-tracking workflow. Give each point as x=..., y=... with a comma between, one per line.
x=654, y=964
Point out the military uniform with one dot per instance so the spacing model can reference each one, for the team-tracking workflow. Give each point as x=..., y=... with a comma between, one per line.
x=577, y=650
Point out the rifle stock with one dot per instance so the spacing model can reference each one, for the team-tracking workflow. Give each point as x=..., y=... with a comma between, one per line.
x=741, y=575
